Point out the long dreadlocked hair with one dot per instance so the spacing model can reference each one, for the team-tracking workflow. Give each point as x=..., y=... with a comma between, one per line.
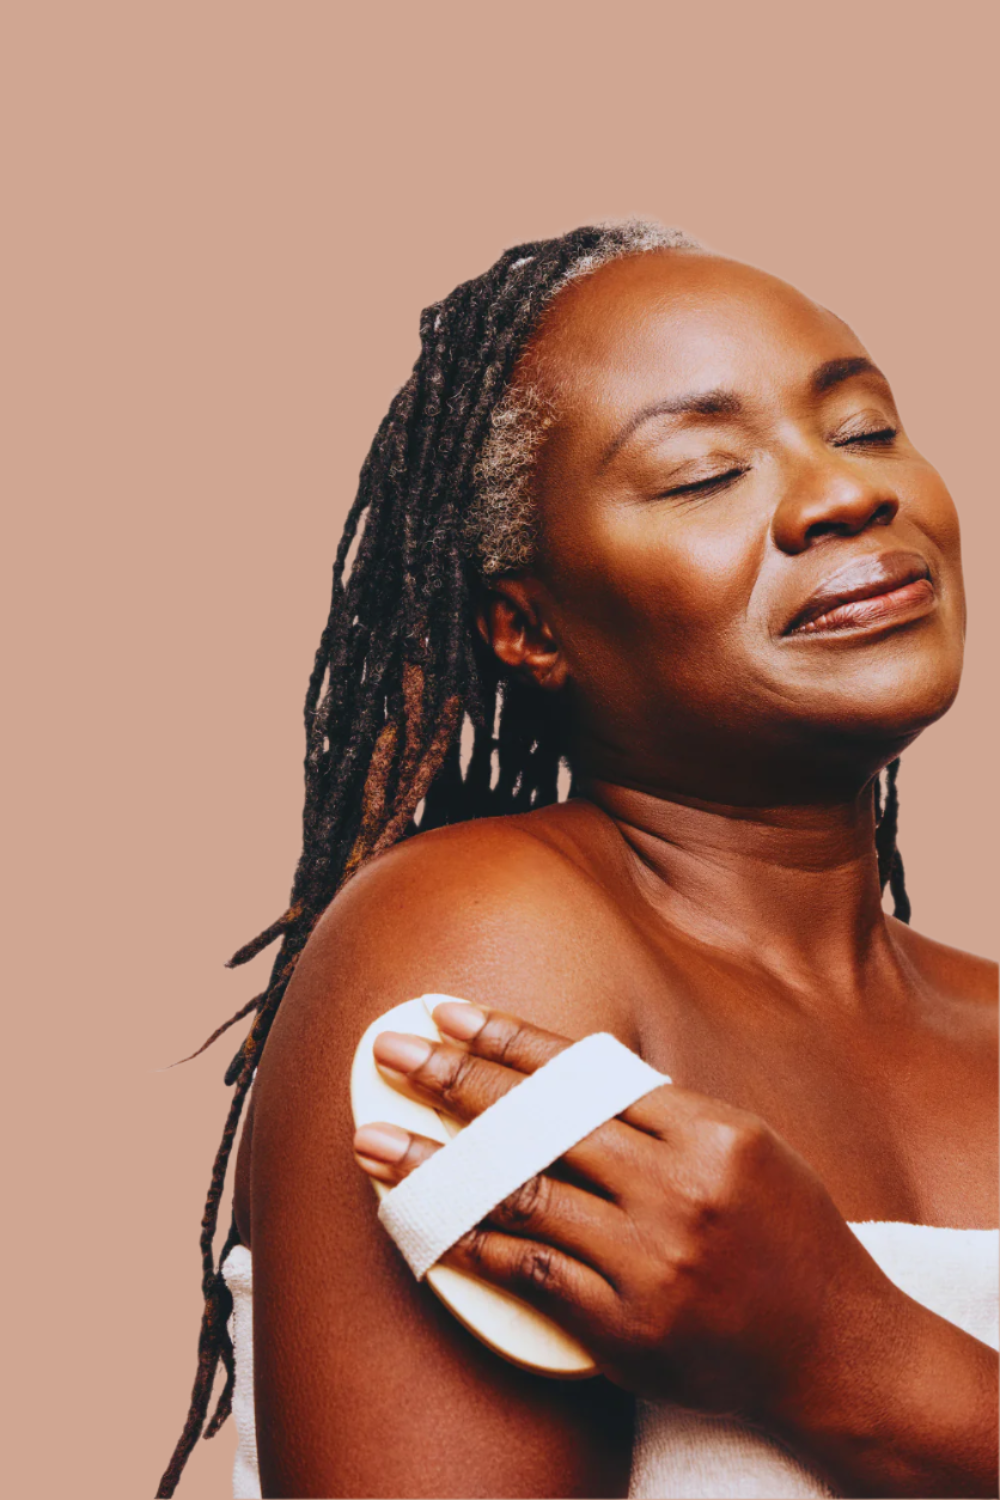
x=444, y=497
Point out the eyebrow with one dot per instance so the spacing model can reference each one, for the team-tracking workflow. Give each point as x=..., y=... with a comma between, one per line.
x=721, y=403
x=836, y=371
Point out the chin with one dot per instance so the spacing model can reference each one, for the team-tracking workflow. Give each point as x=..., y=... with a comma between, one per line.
x=886, y=691
x=893, y=703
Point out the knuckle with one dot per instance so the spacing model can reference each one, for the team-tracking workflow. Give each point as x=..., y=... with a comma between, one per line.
x=456, y=1072
x=537, y=1268
x=473, y=1245
x=655, y=1282
x=689, y=1256
x=505, y=1046
x=527, y=1204
x=750, y=1143
x=734, y=1150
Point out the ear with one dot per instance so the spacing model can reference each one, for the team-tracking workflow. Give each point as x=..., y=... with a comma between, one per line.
x=512, y=617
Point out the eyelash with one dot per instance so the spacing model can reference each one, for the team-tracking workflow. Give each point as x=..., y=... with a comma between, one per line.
x=704, y=486
x=883, y=435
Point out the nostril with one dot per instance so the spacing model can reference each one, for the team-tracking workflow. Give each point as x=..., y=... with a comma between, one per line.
x=844, y=526
x=820, y=529
x=811, y=513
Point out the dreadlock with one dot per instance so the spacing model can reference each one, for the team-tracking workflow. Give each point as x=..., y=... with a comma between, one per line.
x=890, y=861
x=444, y=498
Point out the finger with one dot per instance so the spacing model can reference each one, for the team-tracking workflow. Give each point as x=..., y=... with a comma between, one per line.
x=442, y=1074
x=669, y=1112
x=573, y=1294
x=389, y=1153
x=460, y=1084
x=568, y=1218
x=499, y=1036
x=544, y=1208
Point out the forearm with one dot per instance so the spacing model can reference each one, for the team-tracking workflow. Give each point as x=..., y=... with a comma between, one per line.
x=907, y=1405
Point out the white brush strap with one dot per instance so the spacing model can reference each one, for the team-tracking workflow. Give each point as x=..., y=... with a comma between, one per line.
x=520, y=1135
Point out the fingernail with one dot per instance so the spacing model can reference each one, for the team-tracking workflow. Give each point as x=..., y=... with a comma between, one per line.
x=460, y=1018
x=405, y=1053
x=383, y=1142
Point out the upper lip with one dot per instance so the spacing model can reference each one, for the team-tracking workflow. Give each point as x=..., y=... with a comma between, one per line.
x=864, y=578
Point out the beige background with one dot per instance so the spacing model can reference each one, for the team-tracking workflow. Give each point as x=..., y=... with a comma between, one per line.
x=221, y=223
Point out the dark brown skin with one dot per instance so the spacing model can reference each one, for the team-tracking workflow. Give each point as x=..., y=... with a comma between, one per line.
x=713, y=901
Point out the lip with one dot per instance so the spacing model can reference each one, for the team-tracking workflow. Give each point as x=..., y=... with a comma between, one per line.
x=866, y=592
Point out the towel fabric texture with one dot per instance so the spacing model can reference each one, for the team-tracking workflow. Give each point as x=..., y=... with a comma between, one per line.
x=678, y=1453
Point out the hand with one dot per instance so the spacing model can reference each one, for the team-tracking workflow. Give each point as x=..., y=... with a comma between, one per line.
x=689, y=1249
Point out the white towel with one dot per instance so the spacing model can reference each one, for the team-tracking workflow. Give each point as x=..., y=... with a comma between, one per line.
x=238, y=1273
x=678, y=1453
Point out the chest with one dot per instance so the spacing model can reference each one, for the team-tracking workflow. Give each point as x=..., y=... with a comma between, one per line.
x=897, y=1115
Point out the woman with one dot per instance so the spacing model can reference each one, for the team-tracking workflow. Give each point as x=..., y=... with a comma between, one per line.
x=650, y=514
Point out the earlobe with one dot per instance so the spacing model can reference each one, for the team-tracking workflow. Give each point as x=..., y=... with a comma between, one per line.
x=549, y=670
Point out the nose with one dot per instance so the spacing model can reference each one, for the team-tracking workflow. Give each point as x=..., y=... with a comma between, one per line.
x=834, y=497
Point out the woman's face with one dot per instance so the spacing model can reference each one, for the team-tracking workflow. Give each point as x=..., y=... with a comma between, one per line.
x=727, y=471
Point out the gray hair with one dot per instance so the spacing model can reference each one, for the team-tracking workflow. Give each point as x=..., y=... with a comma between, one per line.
x=500, y=528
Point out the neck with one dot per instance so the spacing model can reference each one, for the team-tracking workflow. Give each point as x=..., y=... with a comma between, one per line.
x=794, y=889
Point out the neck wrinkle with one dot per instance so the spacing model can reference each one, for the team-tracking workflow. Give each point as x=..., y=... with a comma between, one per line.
x=794, y=891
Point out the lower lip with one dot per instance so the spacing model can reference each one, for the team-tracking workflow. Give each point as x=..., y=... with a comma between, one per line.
x=862, y=614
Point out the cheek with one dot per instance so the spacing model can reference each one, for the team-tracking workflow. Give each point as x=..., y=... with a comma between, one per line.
x=927, y=506
x=934, y=511
x=659, y=593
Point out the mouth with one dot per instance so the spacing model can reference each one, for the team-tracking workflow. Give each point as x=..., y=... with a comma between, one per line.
x=873, y=591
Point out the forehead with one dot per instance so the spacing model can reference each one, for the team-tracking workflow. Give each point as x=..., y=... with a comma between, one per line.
x=653, y=325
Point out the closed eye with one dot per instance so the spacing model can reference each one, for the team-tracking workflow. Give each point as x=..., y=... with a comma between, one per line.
x=882, y=435
x=705, y=486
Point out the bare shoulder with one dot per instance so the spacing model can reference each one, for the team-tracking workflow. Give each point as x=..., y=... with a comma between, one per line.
x=963, y=976
x=364, y=1384
x=503, y=911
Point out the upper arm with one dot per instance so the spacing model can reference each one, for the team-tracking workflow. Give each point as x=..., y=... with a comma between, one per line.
x=365, y=1384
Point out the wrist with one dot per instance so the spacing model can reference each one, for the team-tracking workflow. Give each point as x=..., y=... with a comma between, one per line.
x=850, y=1366
x=894, y=1400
